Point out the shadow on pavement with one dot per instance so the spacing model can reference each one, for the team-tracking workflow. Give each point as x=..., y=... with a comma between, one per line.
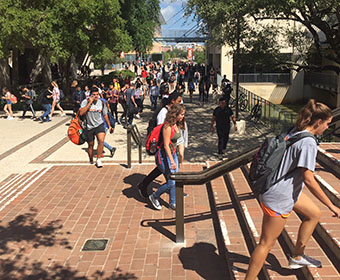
x=203, y=259
x=26, y=232
x=24, y=228
x=134, y=180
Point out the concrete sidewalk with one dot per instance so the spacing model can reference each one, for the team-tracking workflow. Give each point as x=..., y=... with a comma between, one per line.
x=27, y=145
x=52, y=201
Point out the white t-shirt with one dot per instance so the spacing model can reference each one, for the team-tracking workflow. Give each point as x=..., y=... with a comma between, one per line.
x=161, y=115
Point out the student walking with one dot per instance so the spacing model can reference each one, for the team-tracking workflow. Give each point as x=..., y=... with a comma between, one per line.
x=46, y=96
x=295, y=172
x=166, y=157
x=28, y=102
x=222, y=115
x=8, y=106
x=94, y=108
x=56, y=99
x=157, y=119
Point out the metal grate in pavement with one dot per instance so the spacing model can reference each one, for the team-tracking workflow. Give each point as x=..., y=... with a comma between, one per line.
x=95, y=245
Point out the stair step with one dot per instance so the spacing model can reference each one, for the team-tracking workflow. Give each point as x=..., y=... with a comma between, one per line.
x=328, y=155
x=329, y=182
x=313, y=248
x=328, y=232
x=231, y=231
x=276, y=263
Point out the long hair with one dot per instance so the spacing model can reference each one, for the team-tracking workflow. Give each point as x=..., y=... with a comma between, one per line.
x=311, y=113
x=171, y=117
x=54, y=84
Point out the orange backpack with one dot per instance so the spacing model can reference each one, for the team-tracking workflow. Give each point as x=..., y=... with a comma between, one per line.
x=76, y=131
x=14, y=99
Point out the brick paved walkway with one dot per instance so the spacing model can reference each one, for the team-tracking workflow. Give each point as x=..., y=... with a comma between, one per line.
x=44, y=229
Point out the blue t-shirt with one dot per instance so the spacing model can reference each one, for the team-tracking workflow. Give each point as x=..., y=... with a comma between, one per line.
x=282, y=196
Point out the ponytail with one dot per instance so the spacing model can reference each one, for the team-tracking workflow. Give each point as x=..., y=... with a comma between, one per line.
x=311, y=113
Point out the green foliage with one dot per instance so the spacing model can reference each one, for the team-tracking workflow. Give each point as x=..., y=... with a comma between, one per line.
x=199, y=57
x=142, y=18
x=310, y=26
x=176, y=53
x=107, y=79
x=102, y=58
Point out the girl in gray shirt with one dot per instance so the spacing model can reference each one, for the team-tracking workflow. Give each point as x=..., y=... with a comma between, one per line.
x=286, y=195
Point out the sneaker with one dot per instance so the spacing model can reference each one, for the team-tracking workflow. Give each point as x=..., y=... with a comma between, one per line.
x=99, y=163
x=137, y=116
x=155, y=203
x=304, y=261
x=91, y=161
x=63, y=115
x=112, y=152
x=10, y=118
x=220, y=156
x=172, y=206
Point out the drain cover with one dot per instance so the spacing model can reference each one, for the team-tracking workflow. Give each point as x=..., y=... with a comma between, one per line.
x=95, y=245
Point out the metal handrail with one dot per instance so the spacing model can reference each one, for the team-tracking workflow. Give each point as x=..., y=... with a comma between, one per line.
x=200, y=178
x=211, y=173
x=133, y=132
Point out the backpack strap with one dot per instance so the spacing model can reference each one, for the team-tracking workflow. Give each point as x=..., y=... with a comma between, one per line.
x=290, y=142
x=298, y=137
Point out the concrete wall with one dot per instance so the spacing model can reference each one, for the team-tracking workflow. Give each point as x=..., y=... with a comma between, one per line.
x=220, y=59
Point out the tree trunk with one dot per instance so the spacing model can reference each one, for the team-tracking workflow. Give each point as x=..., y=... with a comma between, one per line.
x=5, y=79
x=15, y=68
x=73, y=68
x=42, y=66
x=338, y=106
x=65, y=70
x=46, y=71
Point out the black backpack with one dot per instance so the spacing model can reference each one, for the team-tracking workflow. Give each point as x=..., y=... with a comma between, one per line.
x=266, y=161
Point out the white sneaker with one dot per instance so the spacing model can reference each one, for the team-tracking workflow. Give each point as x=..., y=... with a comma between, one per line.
x=99, y=163
x=63, y=115
x=304, y=261
x=138, y=116
x=155, y=202
x=10, y=118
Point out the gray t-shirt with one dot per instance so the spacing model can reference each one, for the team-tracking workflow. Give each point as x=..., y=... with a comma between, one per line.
x=30, y=94
x=94, y=114
x=282, y=196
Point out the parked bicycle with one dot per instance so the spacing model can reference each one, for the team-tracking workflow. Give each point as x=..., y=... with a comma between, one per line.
x=242, y=101
x=256, y=112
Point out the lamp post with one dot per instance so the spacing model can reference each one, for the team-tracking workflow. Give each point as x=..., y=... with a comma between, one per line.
x=237, y=70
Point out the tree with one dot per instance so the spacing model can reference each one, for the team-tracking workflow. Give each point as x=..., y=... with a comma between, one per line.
x=199, y=57
x=319, y=17
x=142, y=18
x=62, y=30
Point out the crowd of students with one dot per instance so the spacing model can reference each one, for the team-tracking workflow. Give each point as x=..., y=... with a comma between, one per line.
x=165, y=85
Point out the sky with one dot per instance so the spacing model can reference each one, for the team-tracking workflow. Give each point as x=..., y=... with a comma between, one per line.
x=173, y=15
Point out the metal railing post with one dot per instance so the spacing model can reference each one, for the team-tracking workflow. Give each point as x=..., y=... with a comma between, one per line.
x=140, y=150
x=129, y=144
x=179, y=213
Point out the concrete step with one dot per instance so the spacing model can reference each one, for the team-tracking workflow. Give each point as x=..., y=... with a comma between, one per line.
x=329, y=155
x=250, y=214
x=229, y=230
x=329, y=182
x=321, y=246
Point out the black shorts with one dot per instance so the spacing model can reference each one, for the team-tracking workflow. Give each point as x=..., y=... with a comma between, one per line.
x=94, y=131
